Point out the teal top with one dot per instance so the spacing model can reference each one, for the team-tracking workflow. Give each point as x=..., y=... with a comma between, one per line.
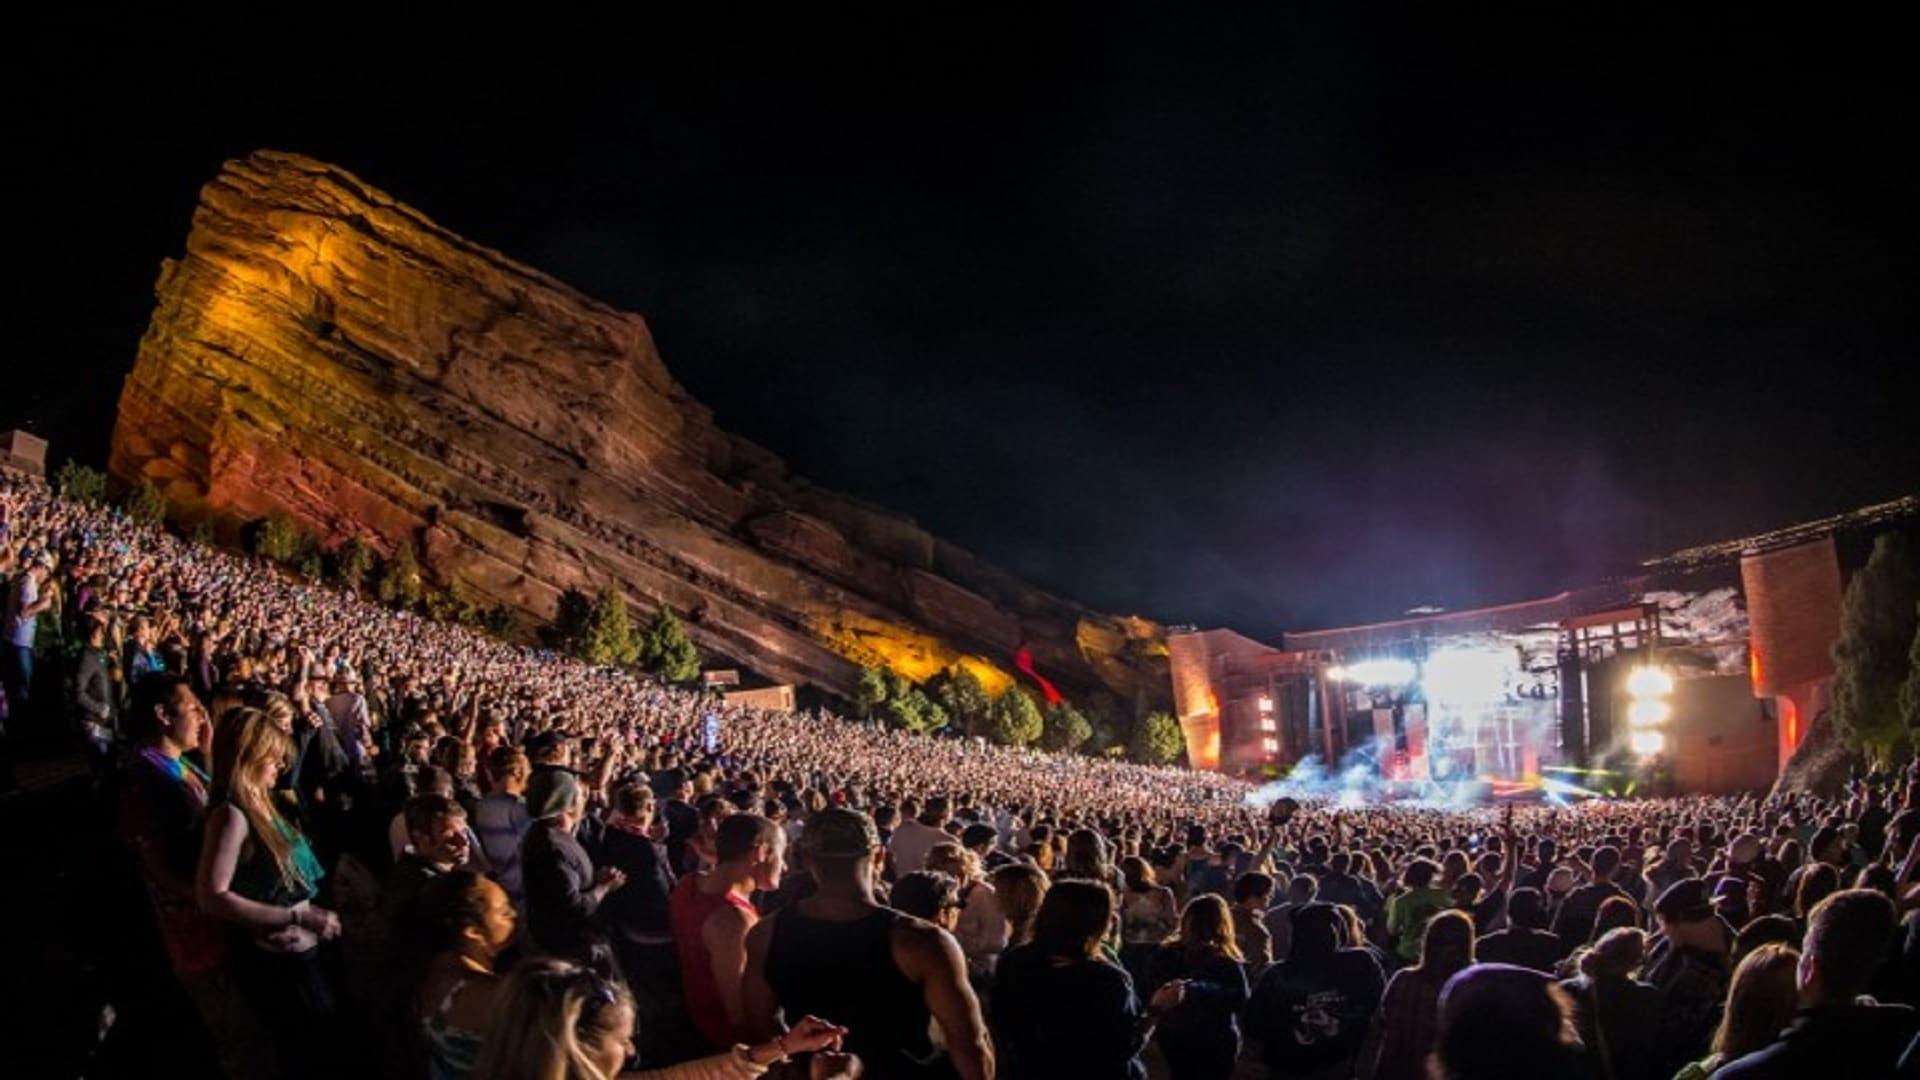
x=258, y=877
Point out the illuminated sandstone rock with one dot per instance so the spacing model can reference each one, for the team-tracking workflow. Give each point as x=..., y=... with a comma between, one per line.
x=324, y=350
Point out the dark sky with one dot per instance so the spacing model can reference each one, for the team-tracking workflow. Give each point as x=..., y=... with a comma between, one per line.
x=1275, y=321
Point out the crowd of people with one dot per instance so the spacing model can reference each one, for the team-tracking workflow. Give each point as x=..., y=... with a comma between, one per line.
x=369, y=843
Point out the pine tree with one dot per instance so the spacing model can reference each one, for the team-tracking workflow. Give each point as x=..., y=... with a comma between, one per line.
x=277, y=539
x=399, y=583
x=1872, y=657
x=964, y=699
x=1016, y=720
x=1064, y=728
x=81, y=484
x=667, y=651
x=608, y=637
x=870, y=692
x=352, y=562
x=146, y=505
x=1159, y=740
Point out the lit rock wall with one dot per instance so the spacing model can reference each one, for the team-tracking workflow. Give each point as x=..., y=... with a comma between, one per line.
x=324, y=350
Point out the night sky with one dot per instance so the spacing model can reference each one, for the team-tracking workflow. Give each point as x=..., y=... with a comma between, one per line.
x=1281, y=321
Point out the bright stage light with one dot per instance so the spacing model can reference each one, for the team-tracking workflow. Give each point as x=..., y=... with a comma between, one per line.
x=1649, y=682
x=1381, y=672
x=1648, y=743
x=1648, y=714
x=1467, y=676
x=1337, y=673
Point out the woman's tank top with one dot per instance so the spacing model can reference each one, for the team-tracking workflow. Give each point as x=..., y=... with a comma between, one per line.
x=844, y=972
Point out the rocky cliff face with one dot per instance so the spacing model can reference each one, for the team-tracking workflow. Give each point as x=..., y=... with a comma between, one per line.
x=327, y=351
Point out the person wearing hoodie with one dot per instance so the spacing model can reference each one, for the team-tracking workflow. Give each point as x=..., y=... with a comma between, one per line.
x=1849, y=935
x=1311, y=1010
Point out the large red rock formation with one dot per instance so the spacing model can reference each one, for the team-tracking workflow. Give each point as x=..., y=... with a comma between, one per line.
x=324, y=350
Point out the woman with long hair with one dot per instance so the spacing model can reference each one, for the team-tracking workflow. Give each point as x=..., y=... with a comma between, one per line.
x=456, y=930
x=1201, y=1036
x=1148, y=916
x=1059, y=1007
x=1403, y=1033
x=559, y=1021
x=1020, y=888
x=1500, y=1022
x=258, y=873
x=1760, y=1003
x=1613, y=1010
x=1086, y=860
x=983, y=926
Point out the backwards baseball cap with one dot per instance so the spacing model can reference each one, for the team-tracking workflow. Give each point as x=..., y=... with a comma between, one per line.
x=839, y=833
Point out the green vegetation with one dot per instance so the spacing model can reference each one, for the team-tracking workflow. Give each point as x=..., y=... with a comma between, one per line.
x=81, y=484
x=1873, y=660
x=1159, y=740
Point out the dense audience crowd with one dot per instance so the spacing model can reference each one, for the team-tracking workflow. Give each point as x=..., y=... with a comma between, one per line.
x=370, y=843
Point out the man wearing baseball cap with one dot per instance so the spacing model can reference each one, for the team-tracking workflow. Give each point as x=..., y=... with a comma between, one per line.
x=877, y=971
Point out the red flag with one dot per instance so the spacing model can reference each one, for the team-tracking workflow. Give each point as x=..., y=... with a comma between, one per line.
x=1023, y=659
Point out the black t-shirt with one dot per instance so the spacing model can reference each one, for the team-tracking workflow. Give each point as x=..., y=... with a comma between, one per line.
x=1065, y=1016
x=1313, y=1015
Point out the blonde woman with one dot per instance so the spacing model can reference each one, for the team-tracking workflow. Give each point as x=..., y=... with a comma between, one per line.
x=559, y=1021
x=258, y=874
x=1019, y=887
x=983, y=926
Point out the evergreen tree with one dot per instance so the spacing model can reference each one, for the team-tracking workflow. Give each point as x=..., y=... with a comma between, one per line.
x=1159, y=740
x=964, y=700
x=570, y=619
x=1872, y=658
x=146, y=505
x=399, y=583
x=352, y=562
x=870, y=692
x=1015, y=719
x=501, y=621
x=666, y=650
x=202, y=532
x=1064, y=728
x=277, y=539
x=608, y=637
x=80, y=483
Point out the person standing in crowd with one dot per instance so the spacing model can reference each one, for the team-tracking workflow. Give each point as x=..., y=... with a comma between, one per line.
x=1148, y=917
x=28, y=597
x=563, y=888
x=636, y=916
x=915, y=837
x=1301, y=890
x=711, y=914
x=438, y=842
x=1021, y=889
x=559, y=1020
x=1690, y=965
x=456, y=931
x=1409, y=910
x=1612, y=1010
x=1252, y=893
x=840, y=953
x=1310, y=1011
x=95, y=701
x=501, y=820
x=982, y=926
x=1201, y=1035
x=1760, y=1005
x=258, y=874
x=1499, y=1022
x=1060, y=1008
x=1849, y=936
x=1405, y=1031
x=1573, y=922
x=1522, y=943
